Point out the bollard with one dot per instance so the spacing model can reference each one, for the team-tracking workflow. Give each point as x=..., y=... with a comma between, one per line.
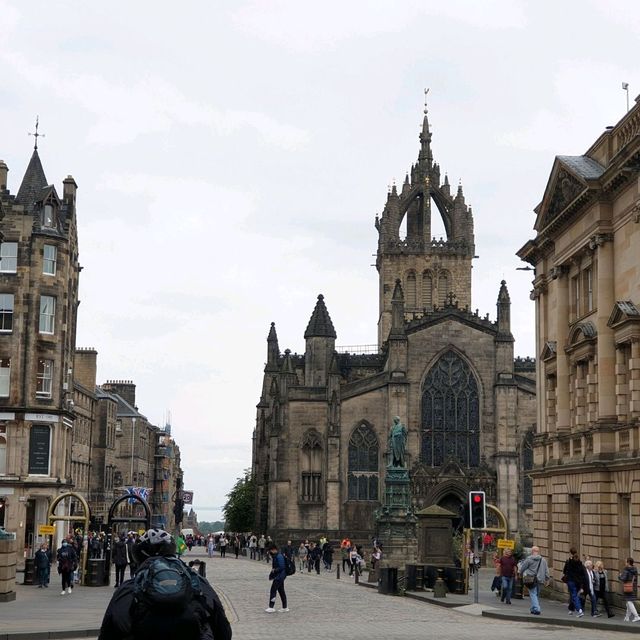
x=357, y=575
x=338, y=572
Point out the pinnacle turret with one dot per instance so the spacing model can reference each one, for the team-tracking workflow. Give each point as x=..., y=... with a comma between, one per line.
x=320, y=325
x=33, y=183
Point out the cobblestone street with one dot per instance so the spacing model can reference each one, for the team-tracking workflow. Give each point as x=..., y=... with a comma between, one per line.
x=321, y=607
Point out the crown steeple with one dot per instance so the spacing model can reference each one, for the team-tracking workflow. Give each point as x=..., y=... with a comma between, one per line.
x=320, y=325
x=33, y=183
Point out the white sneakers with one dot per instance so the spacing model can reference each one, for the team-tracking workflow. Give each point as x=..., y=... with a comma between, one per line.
x=580, y=613
x=63, y=593
x=287, y=611
x=69, y=589
x=270, y=610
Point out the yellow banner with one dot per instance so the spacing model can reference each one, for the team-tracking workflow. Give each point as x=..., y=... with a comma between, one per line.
x=503, y=543
x=46, y=530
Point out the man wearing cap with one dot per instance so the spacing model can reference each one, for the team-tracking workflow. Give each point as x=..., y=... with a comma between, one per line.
x=203, y=618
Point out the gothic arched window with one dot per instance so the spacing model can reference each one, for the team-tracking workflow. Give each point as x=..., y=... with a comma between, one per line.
x=450, y=413
x=311, y=467
x=411, y=290
x=427, y=290
x=444, y=286
x=362, y=478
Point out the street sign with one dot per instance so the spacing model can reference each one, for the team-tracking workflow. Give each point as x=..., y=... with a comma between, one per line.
x=503, y=543
x=46, y=530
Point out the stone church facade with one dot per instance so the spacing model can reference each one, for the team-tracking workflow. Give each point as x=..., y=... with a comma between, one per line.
x=586, y=475
x=320, y=442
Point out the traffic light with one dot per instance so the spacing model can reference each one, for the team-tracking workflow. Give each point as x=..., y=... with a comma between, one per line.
x=477, y=510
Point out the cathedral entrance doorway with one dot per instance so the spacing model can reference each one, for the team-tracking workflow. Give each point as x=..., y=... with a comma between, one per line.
x=453, y=503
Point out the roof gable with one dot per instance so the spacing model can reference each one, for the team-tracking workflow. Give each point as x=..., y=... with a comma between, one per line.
x=569, y=179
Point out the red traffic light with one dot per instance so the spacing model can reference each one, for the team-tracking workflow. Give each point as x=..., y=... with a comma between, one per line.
x=477, y=497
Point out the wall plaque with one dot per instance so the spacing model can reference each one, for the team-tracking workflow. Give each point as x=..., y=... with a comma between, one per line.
x=39, y=441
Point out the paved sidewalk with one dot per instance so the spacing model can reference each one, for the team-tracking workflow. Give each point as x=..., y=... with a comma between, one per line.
x=321, y=607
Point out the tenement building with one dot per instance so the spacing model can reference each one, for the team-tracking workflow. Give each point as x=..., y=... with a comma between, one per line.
x=586, y=254
x=38, y=302
x=449, y=373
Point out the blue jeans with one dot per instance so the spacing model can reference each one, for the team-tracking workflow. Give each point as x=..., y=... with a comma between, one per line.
x=534, y=592
x=573, y=591
x=507, y=588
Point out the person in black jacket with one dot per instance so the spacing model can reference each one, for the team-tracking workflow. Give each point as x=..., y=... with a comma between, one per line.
x=120, y=559
x=67, y=563
x=206, y=611
x=43, y=565
x=277, y=576
x=574, y=575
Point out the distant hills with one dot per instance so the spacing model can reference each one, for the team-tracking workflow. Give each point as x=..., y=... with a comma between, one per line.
x=206, y=528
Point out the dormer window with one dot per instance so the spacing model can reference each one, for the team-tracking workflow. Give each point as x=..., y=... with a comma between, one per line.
x=48, y=216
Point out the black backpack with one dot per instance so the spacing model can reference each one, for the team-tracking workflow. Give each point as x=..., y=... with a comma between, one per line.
x=289, y=565
x=167, y=602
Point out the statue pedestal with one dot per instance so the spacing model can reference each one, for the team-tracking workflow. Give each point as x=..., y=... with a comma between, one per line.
x=395, y=522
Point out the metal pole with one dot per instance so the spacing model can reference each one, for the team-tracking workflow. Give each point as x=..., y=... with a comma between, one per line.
x=133, y=438
x=476, y=573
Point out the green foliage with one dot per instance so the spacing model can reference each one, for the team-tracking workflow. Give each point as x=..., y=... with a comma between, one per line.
x=205, y=528
x=240, y=507
x=458, y=546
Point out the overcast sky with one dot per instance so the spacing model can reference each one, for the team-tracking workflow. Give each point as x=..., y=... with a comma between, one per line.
x=231, y=158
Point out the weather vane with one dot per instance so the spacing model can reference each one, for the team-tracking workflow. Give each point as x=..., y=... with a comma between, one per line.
x=37, y=135
x=426, y=91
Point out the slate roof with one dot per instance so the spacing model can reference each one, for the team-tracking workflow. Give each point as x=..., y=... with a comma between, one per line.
x=320, y=325
x=125, y=409
x=33, y=183
x=583, y=166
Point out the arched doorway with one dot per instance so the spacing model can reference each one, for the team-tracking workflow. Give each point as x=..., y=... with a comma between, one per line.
x=455, y=504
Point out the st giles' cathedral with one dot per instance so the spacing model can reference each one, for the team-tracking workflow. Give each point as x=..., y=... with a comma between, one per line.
x=320, y=441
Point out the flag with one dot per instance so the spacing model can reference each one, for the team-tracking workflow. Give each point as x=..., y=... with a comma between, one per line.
x=141, y=492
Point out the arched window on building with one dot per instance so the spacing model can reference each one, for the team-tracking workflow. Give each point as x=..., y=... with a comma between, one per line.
x=410, y=291
x=427, y=290
x=526, y=466
x=450, y=413
x=444, y=286
x=362, y=478
x=311, y=467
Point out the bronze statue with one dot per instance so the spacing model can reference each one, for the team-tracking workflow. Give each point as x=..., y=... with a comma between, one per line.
x=397, y=443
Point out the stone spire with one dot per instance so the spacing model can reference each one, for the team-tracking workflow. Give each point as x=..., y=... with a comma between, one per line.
x=504, y=310
x=320, y=325
x=33, y=182
x=425, y=158
x=397, y=310
x=273, y=350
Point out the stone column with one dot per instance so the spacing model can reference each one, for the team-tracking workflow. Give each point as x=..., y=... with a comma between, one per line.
x=8, y=550
x=606, y=345
x=634, y=379
x=563, y=410
x=622, y=373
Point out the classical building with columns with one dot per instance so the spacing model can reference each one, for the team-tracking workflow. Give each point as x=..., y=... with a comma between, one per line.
x=449, y=373
x=586, y=254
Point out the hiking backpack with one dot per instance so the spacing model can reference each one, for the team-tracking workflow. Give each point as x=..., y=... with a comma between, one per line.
x=167, y=601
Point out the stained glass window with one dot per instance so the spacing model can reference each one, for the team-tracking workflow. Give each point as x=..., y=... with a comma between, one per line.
x=363, y=464
x=450, y=413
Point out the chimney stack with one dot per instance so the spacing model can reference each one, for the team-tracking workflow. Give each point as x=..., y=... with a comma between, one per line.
x=4, y=170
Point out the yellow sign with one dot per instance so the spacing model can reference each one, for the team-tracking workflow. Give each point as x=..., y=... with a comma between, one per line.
x=503, y=543
x=46, y=530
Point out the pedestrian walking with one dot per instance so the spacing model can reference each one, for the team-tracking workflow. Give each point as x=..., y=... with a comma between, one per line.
x=42, y=563
x=313, y=560
x=602, y=589
x=277, y=576
x=508, y=566
x=629, y=578
x=262, y=543
x=67, y=561
x=535, y=572
x=223, y=545
x=302, y=556
x=574, y=576
x=590, y=588
x=131, y=539
x=120, y=559
x=211, y=546
x=253, y=546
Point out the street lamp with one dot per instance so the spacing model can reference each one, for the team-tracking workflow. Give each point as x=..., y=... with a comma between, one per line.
x=133, y=441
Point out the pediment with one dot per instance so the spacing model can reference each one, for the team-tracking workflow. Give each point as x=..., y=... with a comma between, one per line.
x=549, y=351
x=564, y=187
x=582, y=332
x=451, y=467
x=623, y=311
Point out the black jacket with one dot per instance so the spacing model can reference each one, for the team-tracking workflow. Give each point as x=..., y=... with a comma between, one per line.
x=120, y=553
x=116, y=624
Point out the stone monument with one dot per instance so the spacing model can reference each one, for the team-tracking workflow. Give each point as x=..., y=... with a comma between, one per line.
x=395, y=520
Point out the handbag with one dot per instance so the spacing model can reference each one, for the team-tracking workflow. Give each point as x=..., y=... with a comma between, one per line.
x=627, y=587
x=564, y=578
x=529, y=580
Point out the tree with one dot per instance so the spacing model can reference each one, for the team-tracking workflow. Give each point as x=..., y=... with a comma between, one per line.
x=239, y=509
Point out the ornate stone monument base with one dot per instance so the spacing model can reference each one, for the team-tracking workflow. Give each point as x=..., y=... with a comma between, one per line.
x=396, y=524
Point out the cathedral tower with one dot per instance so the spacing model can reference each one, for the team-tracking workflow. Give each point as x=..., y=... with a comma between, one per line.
x=434, y=272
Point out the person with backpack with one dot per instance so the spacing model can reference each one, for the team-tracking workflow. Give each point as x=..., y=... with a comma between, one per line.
x=166, y=600
x=277, y=576
x=67, y=560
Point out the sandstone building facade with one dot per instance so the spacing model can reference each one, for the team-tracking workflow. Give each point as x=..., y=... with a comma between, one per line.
x=320, y=442
x=586, y=254
x=59, y=431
